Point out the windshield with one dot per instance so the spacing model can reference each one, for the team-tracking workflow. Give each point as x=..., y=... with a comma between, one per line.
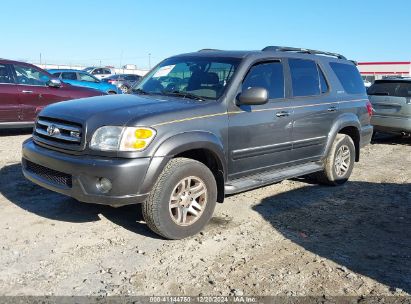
x=88, y=69
x=189, y=77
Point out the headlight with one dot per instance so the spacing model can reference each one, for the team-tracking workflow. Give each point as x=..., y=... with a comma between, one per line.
x=111, y=138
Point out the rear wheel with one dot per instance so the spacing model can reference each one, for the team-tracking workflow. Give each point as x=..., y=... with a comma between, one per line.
x=124, y=89
x=182, y=201
x=339, y=162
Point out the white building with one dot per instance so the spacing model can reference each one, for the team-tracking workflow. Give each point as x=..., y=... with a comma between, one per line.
x=127, y=69
x=372, y=71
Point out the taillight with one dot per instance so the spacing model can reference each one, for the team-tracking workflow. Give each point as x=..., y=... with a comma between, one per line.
x=369, y=108
x=110, y=81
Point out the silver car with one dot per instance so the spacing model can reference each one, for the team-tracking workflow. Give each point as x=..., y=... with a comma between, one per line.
x=391, y=100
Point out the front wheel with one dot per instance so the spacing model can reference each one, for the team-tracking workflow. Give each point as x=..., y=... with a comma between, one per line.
x=182, y=201
x=339, y=162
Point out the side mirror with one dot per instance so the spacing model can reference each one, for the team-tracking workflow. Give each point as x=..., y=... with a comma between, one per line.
x=54, y=83
x=253, y=96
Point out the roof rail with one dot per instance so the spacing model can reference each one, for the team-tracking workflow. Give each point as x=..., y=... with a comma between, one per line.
x=207, y=50
x=301, y=50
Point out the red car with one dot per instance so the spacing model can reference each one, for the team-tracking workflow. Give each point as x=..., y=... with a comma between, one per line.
x=26, y=89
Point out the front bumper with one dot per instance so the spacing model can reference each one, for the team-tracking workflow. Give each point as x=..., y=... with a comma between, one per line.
x=77, y=175
x=391, y=123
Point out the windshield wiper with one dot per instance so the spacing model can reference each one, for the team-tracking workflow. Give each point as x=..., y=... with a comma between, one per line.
x=183, y=94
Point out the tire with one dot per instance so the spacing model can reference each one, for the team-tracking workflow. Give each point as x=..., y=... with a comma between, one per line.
x=111, y=93
x=124, y=89
x=333, y=173
x=160, y=211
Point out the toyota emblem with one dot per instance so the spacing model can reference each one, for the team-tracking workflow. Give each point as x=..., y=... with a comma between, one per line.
x=52, y=130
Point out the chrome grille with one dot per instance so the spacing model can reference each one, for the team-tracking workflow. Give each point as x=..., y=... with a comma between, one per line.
x=59, y=133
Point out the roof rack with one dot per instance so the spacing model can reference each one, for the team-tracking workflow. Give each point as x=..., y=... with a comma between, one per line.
x=208, y=50
x=301, y=50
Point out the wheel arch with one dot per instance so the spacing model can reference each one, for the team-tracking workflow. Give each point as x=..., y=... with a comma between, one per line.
x=202, y=146
x=348, y=124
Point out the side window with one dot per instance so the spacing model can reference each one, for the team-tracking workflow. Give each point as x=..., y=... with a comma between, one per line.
x=323, y=81
x=5, y=76
x=349, y=77
x=30, y=76
x=57, y=75
x=85, y=77
x=304, y=77
x=106, y=71
x=131, y=77
x=97, y=72
x=69, y=75
x=268, y=75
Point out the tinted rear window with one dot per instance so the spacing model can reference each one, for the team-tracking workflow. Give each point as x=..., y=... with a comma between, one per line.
x=349, y=77
x=390, y=88
x=69, y=75
x=304, y=77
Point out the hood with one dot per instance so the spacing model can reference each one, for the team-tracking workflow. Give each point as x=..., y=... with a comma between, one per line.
x=120, y=110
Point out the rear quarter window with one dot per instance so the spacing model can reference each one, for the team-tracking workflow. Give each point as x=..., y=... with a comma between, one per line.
x=349, y=77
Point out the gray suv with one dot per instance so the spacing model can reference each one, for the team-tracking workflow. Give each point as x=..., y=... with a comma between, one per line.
x=391, y=100
x=201, y=126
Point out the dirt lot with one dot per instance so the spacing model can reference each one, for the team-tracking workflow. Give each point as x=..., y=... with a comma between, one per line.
x=292, y=238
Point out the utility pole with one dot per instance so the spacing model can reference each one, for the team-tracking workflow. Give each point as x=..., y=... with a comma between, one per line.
x=149, y=61
x=40, y=58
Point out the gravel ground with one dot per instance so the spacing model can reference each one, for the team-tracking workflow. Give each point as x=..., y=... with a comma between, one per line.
x=291, y=238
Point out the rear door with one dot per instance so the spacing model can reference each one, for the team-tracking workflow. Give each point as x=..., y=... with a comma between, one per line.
x=10, y=110
x=315, y=109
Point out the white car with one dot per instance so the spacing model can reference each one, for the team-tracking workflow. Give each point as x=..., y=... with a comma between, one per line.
x=100, y=73
x=367, y=83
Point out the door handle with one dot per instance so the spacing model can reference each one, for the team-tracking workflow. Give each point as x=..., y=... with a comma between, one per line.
x=27, y=92
x=282, y=114
x=332, y=109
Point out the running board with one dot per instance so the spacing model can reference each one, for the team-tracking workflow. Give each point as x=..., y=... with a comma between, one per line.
x=271, y=177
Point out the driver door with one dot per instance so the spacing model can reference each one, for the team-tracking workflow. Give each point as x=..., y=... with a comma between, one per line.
x=260, y=135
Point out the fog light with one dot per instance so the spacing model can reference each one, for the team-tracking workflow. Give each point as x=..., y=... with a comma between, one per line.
x=104, y=185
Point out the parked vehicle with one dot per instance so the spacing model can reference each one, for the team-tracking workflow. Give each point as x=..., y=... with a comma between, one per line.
x=25, y=89
x=123, y=81
x=100, y=72
x=201, y=126
x=368, y=80
x=84, y=79
x=391, y=100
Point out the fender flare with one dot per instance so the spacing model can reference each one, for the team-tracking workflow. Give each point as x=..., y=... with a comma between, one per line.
x=344, y=120
x=180, y=143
